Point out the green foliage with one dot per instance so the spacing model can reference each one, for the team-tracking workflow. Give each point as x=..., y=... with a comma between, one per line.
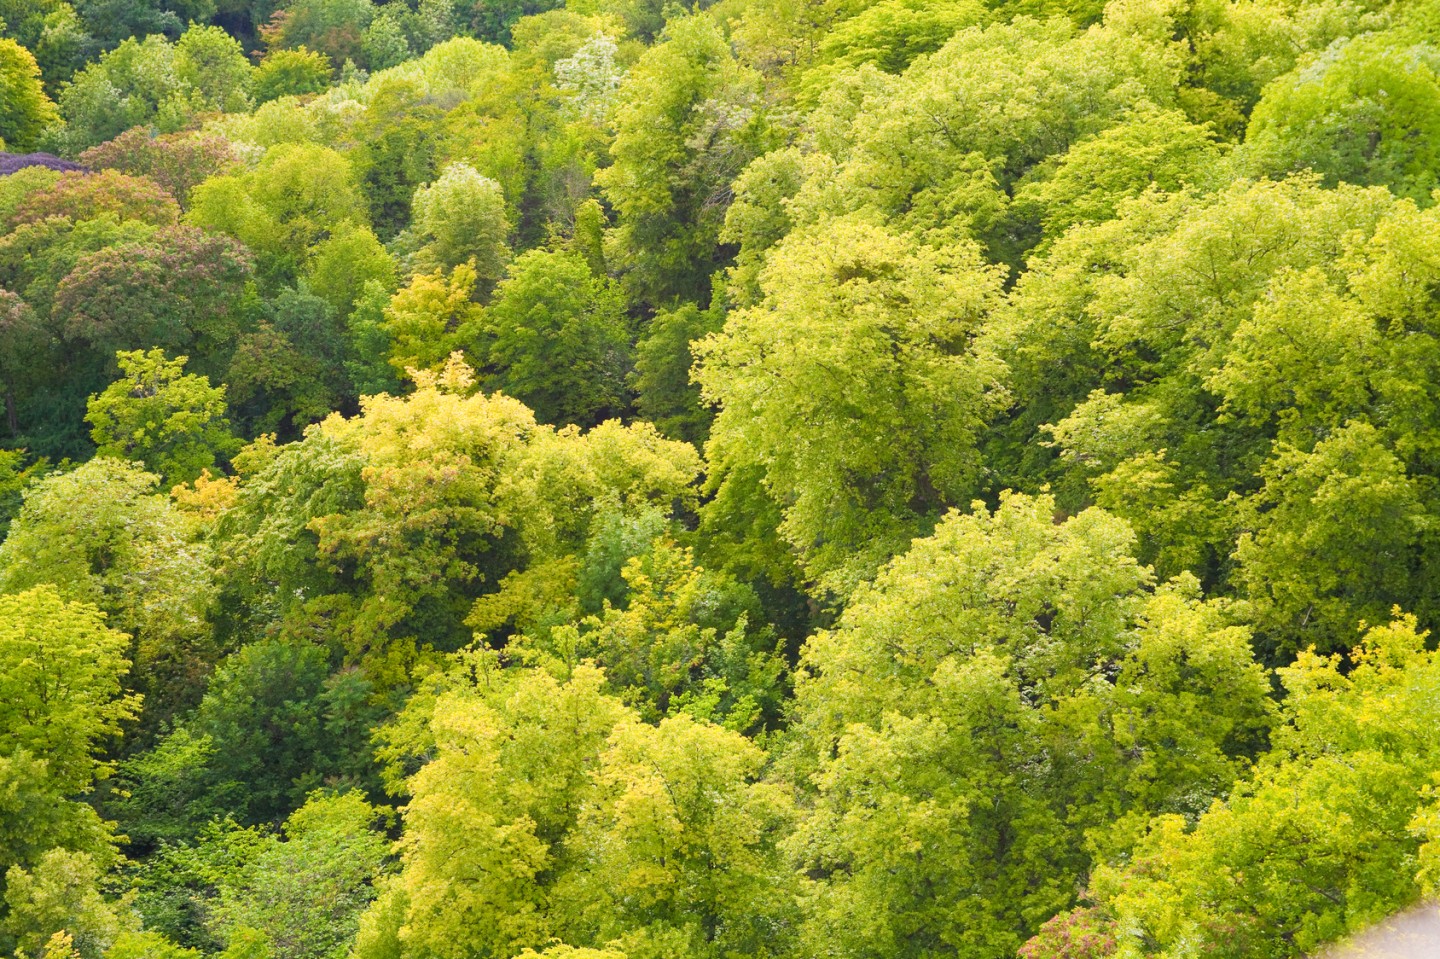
x=481, y=488
x=291, y=73
x=853, y=387
x=295, y=197
x=890, y=35
x=100, y=536
x=329, y=27
x=179, y=290
x=343, y=264
x=461, y=218
x=213, y=65
x=60, y=674
x=688, y=121
x=1349, y=500
x=60, y=896
x=558, y=340
x=1004, y=692
x=278, y=725
x=135, y=83
x=1320, y=841
x=15, y=475
x=547, y=794
x=79, y=196
x=305, y=894
x=1050, y=360
x=177, y=162
x=677, y=641
x=431, y=318
x=25, y=110
x=665, y=394
x=171, y=422
x=1150, y=150
x=1364, y=112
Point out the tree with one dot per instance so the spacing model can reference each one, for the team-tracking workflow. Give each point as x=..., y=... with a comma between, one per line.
x=558, y=340
x=177, y=162
x=431, y=318
x=461, y=217
x=329, y=27
x=305, y=893
x=291, y=73
x=890, y=34
x=1005, y=695
x=493, y=19
x=25, y=110
x=101, y=536
x=344, y=263
x=84, y=196
x=25, y=343
x=854, y=391
x=1322, y=840
x=665, y=394
x=213, y=65
x=295, y=197
x=947, y=168
x=548, y=811
x=277, y=723
x=180, y=290
x=52, y=31
x=689, y=119
x=679, y=846
x=17, y=472
x=37, y=818
x=676, y=639
x=489, y=814
x=133, y=84
x=1363, y=113
x=62, y=684
x=62, y=701
x=384, y=43
x=171, y=422
x=399, y=150
x=392, y=523
x=1349, y=501
x=56, y=909
x=1150, y=309
x=1151, y=149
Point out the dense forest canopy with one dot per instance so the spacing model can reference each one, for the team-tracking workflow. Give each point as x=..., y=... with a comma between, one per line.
x=766, y=479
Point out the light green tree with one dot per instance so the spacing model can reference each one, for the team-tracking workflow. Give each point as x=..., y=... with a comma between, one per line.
x=62, y=703
x=1324, y=839
x=171, y=422
x=678, y=847
x=461, y=217
x=102, y=536
x=1364, y=112
x=61, y=673
x=57, y=903
x=1006, y=696
x=1149, y=149
x=213, y=64
x=1333, y=539
x=852, y=392
x=486, y=824
x=305, y=893
x=688, y=119
x=548, y=811
x=295, y=197
x=25, y=110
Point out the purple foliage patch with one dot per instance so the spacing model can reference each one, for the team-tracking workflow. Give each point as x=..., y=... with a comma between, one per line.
x=12, y=162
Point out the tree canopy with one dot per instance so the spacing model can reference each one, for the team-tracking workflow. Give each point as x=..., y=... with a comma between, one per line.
x=748, y=479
